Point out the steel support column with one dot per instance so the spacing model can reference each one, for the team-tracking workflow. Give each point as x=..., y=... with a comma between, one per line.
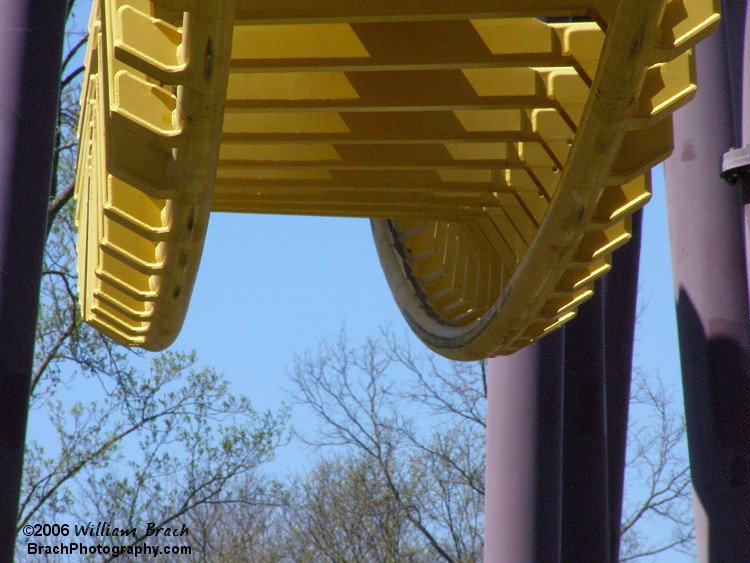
x=708, y=261
x=741, y=98
x=620, y=297
x=585, y=524
x=31, y=34
x=524, y=453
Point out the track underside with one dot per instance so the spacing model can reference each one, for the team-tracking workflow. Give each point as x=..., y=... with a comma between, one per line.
x=499, y=149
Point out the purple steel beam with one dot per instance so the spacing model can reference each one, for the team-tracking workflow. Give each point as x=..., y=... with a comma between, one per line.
x=524, y=453
x=708, y=262
x=732, y=22
x=523, y=488
x=31, y=34
x=743, y=94
x=585, y=523
x=620, y=296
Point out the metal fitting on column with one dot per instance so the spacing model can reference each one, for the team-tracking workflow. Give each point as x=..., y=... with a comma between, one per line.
x=735, y=166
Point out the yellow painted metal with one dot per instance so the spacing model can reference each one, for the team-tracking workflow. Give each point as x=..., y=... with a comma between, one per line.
x=151, y=111
x=500, y=155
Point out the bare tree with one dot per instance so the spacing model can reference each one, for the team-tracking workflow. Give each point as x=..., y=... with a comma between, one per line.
x=343, y=510
x=401, y=434
x=418, y=421
x=117, y=435
x=151, y=450
x=402, y=472
x=657, y=516
x=417, y=424
x=240, y=532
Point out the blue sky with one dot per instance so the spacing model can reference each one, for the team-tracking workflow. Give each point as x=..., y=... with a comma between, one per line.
x=271, y=286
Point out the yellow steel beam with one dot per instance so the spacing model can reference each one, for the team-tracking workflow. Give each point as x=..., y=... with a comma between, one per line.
x=499, y=149
x=147, y=161
x=301, y=11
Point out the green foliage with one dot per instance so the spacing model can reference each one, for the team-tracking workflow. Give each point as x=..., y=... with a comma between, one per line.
x=130, y=438
x=126, y=443
x=116, y=435
x=343, y=510
x=148, y=448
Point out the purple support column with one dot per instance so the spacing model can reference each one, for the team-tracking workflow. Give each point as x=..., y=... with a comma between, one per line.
x=732, y=24
x=31, y=33
x=708, y=261
x=585, y=525
x=524, y=453
x=742, y=128
x=620, y=296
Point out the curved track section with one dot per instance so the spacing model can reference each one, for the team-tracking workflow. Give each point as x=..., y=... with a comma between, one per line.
x=152, y=106
x=500, y=147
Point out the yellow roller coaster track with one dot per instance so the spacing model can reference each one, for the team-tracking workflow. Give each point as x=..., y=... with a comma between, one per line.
x=499, y=147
